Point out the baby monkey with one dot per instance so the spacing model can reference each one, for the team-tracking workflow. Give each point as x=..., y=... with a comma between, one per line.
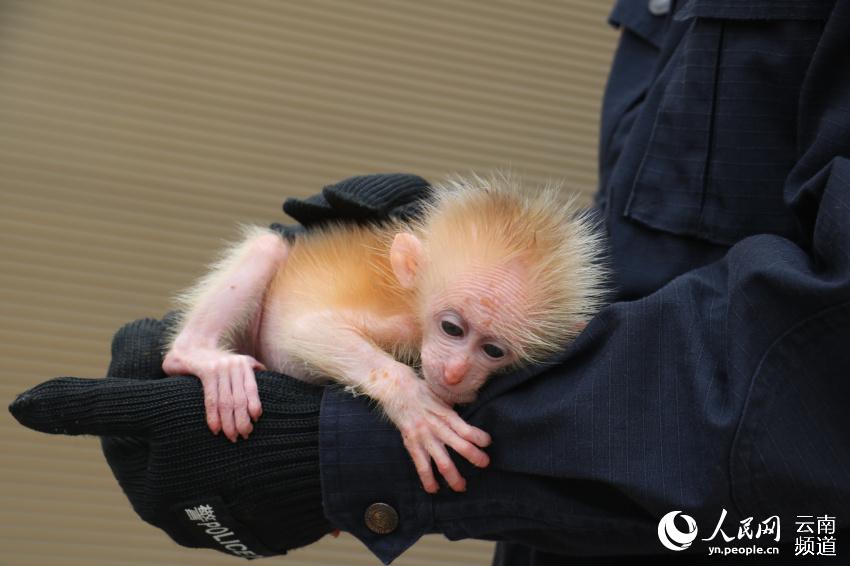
x=489, y=277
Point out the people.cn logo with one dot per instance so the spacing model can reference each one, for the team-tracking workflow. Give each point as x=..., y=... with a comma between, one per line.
x=670, y=535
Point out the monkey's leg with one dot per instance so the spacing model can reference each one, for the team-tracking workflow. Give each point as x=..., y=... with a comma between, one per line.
x=330, y=344
x=222, y=306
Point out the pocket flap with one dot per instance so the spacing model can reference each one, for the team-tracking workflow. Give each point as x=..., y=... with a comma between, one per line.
x=636, y=17
x=756, y=9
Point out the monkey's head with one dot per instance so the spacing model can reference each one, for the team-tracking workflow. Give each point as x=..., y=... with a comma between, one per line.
x=501, y=277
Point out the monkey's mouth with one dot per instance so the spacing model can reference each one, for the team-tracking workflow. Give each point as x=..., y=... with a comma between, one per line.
x=450, y=396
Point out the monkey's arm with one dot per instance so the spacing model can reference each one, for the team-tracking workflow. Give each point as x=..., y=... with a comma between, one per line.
x=222, y=309
x=426, y=422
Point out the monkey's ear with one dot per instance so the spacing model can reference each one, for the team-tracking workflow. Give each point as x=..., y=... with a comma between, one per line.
x=406, y=258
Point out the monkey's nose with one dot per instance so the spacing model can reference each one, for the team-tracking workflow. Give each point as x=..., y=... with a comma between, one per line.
x=455, y=372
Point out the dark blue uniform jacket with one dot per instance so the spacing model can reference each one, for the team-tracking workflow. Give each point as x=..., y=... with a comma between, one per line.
x=719, y=376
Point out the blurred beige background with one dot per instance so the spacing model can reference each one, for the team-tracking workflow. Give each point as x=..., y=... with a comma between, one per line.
x=135, y=135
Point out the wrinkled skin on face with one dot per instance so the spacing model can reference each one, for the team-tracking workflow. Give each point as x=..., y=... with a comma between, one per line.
x=468, y=331
x=467, y=327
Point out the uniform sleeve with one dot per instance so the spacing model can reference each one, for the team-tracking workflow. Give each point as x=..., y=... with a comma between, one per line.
x=725, y=389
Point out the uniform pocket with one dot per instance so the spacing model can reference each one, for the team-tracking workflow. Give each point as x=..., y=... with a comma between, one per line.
x=632, y=73
x=724, y=136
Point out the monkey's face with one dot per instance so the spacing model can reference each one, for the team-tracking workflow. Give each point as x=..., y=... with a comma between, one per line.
x=467, y=332
x=457, y=358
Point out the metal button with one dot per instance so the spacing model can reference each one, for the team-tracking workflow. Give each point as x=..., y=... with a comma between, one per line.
x=381, y=518
x=659, y=7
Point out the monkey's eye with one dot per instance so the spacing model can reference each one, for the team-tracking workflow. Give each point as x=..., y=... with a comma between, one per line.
x=451, y=329
x=493, y=351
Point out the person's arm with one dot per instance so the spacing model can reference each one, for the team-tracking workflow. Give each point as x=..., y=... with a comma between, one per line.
x=726, y=389
x=176, y=474
x=256, y=498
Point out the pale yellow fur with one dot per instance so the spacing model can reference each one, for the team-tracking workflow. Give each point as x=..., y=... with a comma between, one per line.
x=341, y=277
x=478, y=222
x=344, y=270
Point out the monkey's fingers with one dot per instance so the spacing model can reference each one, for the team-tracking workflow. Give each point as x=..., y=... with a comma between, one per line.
x=468, y=432
x=445, y=465
x=476, y=456
x=240, y=401
x=422, y=462
x=225, y=408
x=255, y=408
x=211, y=404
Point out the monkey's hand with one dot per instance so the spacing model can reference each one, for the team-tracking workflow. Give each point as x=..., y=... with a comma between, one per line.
x=427, y=425
x=231, y=399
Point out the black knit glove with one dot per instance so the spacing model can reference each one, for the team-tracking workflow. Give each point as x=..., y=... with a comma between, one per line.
x=365, y=198
x=255, y=498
